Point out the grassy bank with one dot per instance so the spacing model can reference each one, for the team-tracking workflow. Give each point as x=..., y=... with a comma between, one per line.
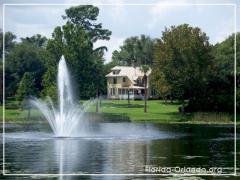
x=161, y=112
x=15, y=113
x=116, y=110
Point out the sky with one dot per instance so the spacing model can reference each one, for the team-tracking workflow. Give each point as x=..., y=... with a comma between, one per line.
x=125, y=18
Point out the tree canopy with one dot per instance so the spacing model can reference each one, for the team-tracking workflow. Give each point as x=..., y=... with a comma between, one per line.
x=9, y=42
x=75, y=41
x=182, y=60
x=36, y=40
x=24, y=57
x=26, y=87
x=135, y=51
x=187, y=67
x=220, y=87
x=86, y=16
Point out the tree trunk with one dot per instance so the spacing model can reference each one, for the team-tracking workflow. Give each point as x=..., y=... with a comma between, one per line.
x=183, y=107
x=165, y=99
x=100, y=100
x=145, y=93
x=29, y=113
x=128, y=98
x=171, y=99
x=97, y=95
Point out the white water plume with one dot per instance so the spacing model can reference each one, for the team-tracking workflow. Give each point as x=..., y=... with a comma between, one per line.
x=65, y=118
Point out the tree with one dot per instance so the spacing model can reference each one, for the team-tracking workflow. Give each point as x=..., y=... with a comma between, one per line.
x=26, y=89
x=75, y=41
x=135, y=51
x=159, y=83
x=37, y=40
x=183, y=58
x=220, y=85
x=9, y=42
x=145, y=69
x=86, y=16
x=1, y=82
x=24, y=57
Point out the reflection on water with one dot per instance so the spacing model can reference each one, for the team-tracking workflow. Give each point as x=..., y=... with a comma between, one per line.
x=113, y=152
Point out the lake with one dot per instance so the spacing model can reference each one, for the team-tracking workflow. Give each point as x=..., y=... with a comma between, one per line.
x=118, y=148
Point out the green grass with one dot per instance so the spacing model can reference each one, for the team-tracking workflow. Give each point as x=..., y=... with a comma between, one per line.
x=14, y=113
x=116, y=110
x=156, y=110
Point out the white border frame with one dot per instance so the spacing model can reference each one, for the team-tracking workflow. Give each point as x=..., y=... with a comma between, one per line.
x=234, y=5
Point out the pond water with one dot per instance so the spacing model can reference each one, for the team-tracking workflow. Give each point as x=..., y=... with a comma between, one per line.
x=118, y=148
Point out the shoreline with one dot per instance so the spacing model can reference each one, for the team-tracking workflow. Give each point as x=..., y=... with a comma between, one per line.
x=182, y=122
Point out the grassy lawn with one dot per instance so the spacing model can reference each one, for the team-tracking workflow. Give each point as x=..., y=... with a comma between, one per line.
x=158, y=111
x=13, y=113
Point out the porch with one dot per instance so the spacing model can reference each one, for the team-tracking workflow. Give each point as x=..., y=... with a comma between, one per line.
x=122, y=93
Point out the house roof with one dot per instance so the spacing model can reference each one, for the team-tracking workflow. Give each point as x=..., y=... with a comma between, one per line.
x=128, y=71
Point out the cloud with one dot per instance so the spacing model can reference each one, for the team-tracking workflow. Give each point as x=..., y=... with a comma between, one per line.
x=29, y=20
x=113, y=44
x=227, y=28
x=124, y=21
x=164, y=8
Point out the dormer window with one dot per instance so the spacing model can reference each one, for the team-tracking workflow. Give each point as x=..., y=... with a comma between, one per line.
x=124, y=79
x=116, y=72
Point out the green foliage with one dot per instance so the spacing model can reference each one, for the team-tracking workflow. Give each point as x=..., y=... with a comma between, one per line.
x=182, y=60
x=37, y=40
x=144, y=68
x=75, y=41
x=9, y=43
x=109, y=66
x=86, y=16
x=135, y=51
x=221, y=80
x=1, y=82
x=24, y=57
x=159, y=83
x=26, y=87
x=188, y=67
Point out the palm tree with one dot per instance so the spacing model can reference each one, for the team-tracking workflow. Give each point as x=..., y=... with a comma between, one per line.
x=145, y=69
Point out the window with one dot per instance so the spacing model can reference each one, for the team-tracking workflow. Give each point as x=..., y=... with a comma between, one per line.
x=115, y=71
x=124, y=79
x=139, y=81
x=114, y=80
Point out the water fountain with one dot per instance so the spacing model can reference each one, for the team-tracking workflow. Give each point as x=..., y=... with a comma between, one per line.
x=87, y=142
x=101, y=147
x=64, y=120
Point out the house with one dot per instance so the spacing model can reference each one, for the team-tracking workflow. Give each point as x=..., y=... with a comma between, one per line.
x=124, y=81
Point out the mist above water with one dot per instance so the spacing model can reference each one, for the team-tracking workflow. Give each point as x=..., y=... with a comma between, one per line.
x=64, y=118
x=68, y=118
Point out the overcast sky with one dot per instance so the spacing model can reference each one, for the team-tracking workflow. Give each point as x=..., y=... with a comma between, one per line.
x=127, y=20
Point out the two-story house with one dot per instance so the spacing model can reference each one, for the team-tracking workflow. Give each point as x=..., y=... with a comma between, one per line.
x=124, y=81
